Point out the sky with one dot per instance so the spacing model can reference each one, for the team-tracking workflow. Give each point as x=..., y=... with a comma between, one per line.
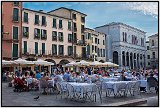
x=142, y=15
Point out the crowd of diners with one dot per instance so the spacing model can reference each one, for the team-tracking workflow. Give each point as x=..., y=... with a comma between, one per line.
x=84, y=73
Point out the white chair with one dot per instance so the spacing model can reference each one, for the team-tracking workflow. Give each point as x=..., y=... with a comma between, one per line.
x=61, y=91
x=136, y=88
x=130, y=86
x=121, y=88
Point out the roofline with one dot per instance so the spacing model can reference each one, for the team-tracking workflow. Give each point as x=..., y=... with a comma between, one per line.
x=46, y=13
x=95, y=31
x=120, y=23
x=67, y=9
x=154, y=35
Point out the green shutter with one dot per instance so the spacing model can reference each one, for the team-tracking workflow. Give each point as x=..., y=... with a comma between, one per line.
x=25, y=47
x=25, y=17
x=43, y=48
x=54, y=23
x=15, y=14
x=69, y=25
x=15, y=50
x=36, y=47
x=15, y=32
x=60, y=23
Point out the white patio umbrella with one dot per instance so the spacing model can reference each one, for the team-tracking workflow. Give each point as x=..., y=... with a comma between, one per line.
x=96, y=63
x=83, y=63
x=108, y=64
x=42, y=62
x=70, y=64
x=4, y=62
x=23, y=62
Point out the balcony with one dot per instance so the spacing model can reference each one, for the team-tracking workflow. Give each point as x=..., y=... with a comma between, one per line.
x=15, y=19
x=81, y=43
x=54, y=38
x=37, y=22
x=75, y=29
x=44, y=23
x=44, y=37
x=26, y=34
x=25, y=20
x=37, y=36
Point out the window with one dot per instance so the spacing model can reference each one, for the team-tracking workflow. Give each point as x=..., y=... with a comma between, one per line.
x=25, y=31
x=96, y=41
x=54, y=49
x=142, y=42
x=61, y=49
x=70, y=38
x=15, y=51
x=95, y=49
x=70, y=50
x=88, y=49
x=148, y=56
x=16, y=3
x=25, y=47
x=98, y=52
x=101, y=53
x=92, y=39
x=82, y=28
x=89, y=35
x=75, y=27
x=125, y=37
x=92, y=48
x=54, y=23
x=15, y=32
x=36, y=47
x=148, y=63
x=147, y=47
x=153, y=55
x=60, y=36
x=83, y=19
x=104, y=52
x=75, y=38
x=69, y=25
x=103, y=42
x=43, y=48
x=15, y=14
x=36, y=33
x=60, y=23
x=152, y=42
x=25, y=17
x=74, y=16
x=54, y=36
x=44, y=23
x=36, y=20
x=43, y=34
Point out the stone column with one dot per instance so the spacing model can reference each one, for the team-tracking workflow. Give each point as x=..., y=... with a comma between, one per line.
x=120, y=58
x=129, y=59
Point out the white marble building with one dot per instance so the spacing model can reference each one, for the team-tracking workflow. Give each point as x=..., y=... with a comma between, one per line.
x=125, y=44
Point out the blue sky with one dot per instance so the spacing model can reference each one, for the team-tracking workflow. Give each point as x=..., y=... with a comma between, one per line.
x=142, y=15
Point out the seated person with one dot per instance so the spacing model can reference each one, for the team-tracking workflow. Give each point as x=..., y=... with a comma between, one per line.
x=38, y=75
x=152, y=82
x=45, y=77
x=59, y=77
x=122, y=77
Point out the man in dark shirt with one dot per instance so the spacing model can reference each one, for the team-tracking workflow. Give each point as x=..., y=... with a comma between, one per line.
x=152, y=82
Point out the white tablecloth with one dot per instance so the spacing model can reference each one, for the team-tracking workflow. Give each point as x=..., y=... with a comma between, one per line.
x=81, y=87
x=115, y=85
x=106, y=79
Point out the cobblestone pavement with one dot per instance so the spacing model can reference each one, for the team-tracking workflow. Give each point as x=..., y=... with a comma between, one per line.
x=10, y=98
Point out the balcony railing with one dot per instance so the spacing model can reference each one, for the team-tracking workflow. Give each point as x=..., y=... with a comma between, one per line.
x=37, y=36
x=26, y=34
x=81, y=43
x=15, y=18
x=44, y=37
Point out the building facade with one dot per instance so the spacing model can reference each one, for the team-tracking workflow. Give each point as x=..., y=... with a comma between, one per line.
x=46, y=36
x=125, y=44
x=95, y=47
x=152, y=54
x=78, y=27
x=11, y=30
